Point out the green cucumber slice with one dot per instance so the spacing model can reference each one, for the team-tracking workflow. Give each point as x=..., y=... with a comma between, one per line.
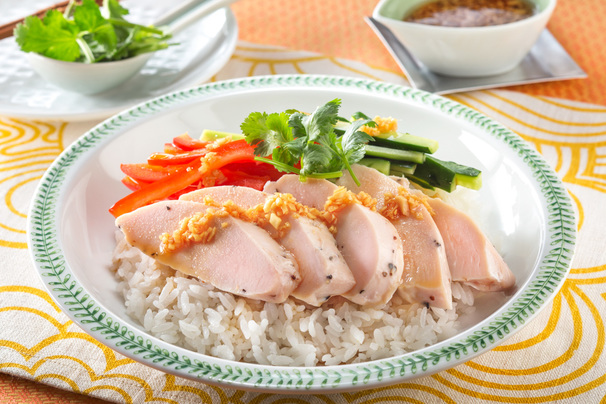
x=405, y=141
x=395, y=154
x=381, y=165
x=209, y=135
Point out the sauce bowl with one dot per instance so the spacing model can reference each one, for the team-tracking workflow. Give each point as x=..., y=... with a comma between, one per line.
x=465, y=51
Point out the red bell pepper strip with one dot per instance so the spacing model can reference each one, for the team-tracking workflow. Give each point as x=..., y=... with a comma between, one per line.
x=147, y=172
x=257, y=169
x=185, y=142
x=243, y=179
x=165, y=159
x=170, y=148
x=185, y=190
x=250, y=182
x=183, y=177
x=131, y=184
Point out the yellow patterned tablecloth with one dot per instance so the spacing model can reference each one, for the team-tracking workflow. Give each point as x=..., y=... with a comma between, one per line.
x=558, y=356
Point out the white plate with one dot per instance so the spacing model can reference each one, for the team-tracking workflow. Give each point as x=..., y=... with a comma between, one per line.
x=203, y=49
x=529, y=218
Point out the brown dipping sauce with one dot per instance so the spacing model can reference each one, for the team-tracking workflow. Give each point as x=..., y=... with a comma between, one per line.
x=471, y=13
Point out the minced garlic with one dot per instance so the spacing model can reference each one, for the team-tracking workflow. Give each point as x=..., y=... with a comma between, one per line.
x=207, y=161
x=219, y=142
x=197, y=228
x=340, y=199
x=215, y=176
x=403, y=204
x=275, y=212
x=384, y=125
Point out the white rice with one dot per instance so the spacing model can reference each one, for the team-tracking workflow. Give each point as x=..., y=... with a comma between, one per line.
x=189, y=313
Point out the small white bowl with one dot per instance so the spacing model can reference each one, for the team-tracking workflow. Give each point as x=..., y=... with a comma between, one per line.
x=465, y=51
x=86, y=78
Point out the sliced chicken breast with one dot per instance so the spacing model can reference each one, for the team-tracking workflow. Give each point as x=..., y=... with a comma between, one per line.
x=323, y=270
x=242, y=196
x=472, y=257
x=241, y=258
x=369, y=243
x=426, y=274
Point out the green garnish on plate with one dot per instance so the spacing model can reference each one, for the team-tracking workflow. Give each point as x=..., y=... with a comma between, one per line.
x=323, y=144
x=88, y=33
x=310, y=142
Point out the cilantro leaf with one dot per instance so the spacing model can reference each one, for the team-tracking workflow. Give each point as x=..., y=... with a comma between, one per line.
x=320, y=123
x=88, y=18
x=115, y=10
x=89, y=34
x=359, y=115
x=295, y=139
x=296, y=124
x=296, y=147
x=266, y=132
x=49, y=40
x=56, y=19
x=354, y=139
x=144, y=42
x=316, y=159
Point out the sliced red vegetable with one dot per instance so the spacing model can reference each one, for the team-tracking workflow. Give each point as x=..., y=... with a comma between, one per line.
x=256, y=168
x=131, y=184
x=147, y=172
x=244, y=179
x=257, y=183
x=183, y=177
x=186, y=142
x=254, y=183
x=185, y=190
x=170, y=148
x=166, y=159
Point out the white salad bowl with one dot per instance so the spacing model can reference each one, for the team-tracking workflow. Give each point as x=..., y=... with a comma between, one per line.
x=465, y=51
x=94, y=78
x=86, y=78
x=526, y=213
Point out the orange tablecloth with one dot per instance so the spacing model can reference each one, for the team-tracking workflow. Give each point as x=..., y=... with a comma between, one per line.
x=335, y=28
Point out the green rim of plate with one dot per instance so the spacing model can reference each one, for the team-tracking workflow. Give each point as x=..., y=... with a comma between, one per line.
x=548, y=277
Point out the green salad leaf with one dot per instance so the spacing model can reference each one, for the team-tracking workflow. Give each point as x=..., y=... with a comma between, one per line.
x=308, y=144
x=88, y=33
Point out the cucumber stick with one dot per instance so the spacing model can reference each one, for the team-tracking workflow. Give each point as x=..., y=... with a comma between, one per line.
x=381, y=165
x=395, y=154
x=446, y=175
x=212, y=135
x=400, y=168
x=405, y=141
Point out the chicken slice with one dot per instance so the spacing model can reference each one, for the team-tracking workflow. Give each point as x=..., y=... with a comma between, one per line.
x=242, y=196
x=242, y=258
x=426, y=277
x=472, y=257
x=369, y=243
x=323, y=270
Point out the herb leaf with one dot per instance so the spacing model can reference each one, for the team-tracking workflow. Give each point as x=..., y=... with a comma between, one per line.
x=354, y=139
x=87, y=35
x=319, y=125
x=294, y=139
x=52, y=40
x=266, y=132
x=89, y=19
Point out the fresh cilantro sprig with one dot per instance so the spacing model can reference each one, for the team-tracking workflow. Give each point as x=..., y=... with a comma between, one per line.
x=88, y=33
x=308, y=144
